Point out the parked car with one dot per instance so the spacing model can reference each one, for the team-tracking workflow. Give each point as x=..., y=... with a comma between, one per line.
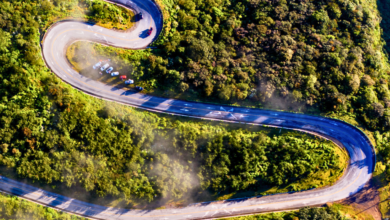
x=97, y=65
x=105, y=67
x=149, y=31
x=115, y=74
x=129, y=81
x=109, y=70
x=139, y=88
x=122, y=77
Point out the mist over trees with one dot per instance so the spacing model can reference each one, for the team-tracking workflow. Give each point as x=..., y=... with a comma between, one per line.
x=325, y=55
x=56, y=135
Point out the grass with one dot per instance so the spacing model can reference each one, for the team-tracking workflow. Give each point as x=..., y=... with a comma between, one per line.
x=79, y=55
x=351, y=212
x=379, y=179
x=12, y=207
x=346, y=211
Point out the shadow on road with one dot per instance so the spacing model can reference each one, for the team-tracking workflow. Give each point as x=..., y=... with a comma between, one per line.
x=144, y=34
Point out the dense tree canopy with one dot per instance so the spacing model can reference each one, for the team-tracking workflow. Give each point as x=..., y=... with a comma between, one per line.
x=325, y=55
x=53, y=134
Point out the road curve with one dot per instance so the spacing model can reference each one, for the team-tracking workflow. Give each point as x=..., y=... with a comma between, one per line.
x=61, y=35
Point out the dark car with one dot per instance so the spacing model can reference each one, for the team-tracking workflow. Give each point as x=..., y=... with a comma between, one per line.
x=149, y=31
x=139, y=88
x=140, y=16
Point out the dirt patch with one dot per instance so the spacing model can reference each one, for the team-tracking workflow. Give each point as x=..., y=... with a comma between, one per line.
x=367, y=200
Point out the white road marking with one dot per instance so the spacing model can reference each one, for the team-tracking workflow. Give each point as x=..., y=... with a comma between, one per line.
x=184, y=109
x=228, y=212
x=187, y=105
x=214, y=213
x=205, y=214
x=222, y=109
x=232, y=115
x=231, y=110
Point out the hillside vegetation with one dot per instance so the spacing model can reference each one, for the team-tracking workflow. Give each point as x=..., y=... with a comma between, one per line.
x=317, y=56
x=11, y=207
x=334, y=212
x=53, y=135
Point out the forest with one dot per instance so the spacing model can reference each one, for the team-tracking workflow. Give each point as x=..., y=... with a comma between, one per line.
x=56, y=136
x=12, y=208
x=316, y=56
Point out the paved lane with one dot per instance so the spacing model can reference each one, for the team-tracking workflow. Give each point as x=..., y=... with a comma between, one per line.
x=61, y=35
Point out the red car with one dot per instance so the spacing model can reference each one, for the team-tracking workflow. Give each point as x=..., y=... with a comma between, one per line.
x=149, y=31
x=122, y=77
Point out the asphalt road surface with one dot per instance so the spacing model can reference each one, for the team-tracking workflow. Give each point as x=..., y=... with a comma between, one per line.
x=61, y=35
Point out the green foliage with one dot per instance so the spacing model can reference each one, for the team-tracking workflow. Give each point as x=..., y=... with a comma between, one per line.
x=107, y=12
x=314, y=54
x=303, y=214
x=51, y=133
x=11, y=207
x=138, y=155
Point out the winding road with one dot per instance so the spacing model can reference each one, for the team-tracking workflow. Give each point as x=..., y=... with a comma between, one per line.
x=62, y=34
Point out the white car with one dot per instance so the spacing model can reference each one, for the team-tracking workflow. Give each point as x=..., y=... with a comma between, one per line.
x=128, y=82
x=97, y=65
x=115, y=74
x=105, y=66
x=109, y=70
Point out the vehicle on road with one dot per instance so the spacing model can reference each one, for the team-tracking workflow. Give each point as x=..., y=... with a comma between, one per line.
x=97, y=65
x=109, y=70
x=140, y=16
x=129, y=81
x=123, y=77
x=359, y=171
x=115, y=74
x=149, y=31
x=104, y=67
